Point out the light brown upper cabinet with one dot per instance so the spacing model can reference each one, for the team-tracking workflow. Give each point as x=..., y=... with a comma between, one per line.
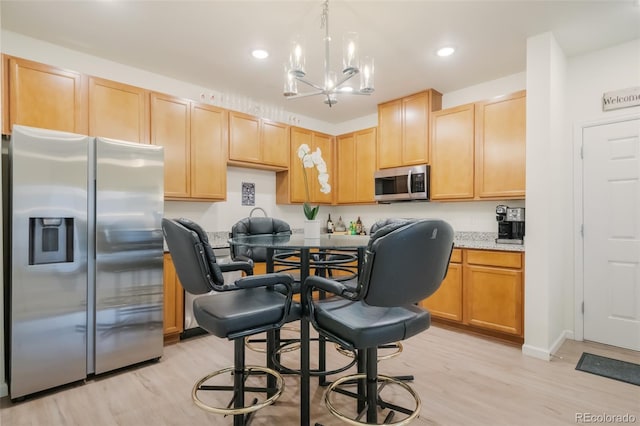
x=194, y=137
x=356, y=163
x=478, y=150
x=452, y=153
x=257, y=142
x=290, y=184
x=403, y=129
x=500, y=147
x=44, y=96
x=118, y=111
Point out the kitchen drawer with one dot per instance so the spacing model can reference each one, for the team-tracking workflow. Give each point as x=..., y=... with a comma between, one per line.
x=456, y=256
x=505, y=259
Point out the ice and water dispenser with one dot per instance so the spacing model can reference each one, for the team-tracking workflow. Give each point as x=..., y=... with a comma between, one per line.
x=50, y=240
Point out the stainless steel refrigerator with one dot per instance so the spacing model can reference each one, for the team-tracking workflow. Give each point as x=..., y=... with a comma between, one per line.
x=83, y=255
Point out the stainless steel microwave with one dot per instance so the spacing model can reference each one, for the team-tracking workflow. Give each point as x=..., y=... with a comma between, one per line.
x=402, y=184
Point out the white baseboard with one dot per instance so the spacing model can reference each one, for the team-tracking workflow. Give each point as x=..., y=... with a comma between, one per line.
x=545, y=354
x=535, y=352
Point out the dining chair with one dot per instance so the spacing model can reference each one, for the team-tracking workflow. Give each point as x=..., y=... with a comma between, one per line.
x=248, y=306
x=404, y=263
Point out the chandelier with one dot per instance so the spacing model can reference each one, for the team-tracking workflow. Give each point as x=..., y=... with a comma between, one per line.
x=351, y=65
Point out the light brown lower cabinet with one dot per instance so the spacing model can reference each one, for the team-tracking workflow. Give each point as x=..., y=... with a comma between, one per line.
x=173, y=303
x=483, y=291
x=447, y=301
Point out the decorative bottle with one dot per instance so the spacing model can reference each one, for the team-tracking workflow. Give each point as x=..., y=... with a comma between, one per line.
x=358, y=226
x=329, y=225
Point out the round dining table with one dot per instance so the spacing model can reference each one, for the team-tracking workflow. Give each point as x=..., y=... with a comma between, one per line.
x=305, y=247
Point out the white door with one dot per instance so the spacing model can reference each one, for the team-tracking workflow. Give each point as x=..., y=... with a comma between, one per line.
x=611, y=196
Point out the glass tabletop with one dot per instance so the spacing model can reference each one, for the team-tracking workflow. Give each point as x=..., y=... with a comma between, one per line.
x=298, y=241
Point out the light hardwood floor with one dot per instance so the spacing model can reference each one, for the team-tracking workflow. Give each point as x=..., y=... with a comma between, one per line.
x=461, y=379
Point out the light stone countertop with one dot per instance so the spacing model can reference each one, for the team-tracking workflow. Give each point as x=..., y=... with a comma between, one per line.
x=472, y=240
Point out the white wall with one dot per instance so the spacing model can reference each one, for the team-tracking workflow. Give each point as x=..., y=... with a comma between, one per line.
x=562, y=94
x=589, y=76
x=545, y=106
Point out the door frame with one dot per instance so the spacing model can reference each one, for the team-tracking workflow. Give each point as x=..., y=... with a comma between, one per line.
x=578, y=211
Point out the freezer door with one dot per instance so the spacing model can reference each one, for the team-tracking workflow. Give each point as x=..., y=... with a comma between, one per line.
x=129, y=204
x=48, y=283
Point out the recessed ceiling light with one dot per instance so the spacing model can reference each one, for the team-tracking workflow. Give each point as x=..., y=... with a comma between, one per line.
x=260, y=54
x=446, y=51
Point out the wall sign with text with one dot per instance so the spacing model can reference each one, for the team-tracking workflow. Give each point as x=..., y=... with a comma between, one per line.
x=624, y=98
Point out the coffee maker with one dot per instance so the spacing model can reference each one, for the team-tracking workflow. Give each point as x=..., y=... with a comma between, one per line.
x=510, y=224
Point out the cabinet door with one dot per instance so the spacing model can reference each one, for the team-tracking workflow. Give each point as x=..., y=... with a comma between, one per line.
x=275, y=143
x=244, y=137
x=118, y=111
x=170, y=128
x=415, y=135
x=297, y=192
x=390, y=134
x=365, y=165
x=447, y=301
x=346, y=169
x=47, y=97
x=493, y=298
x=325, y=143
x=500, y=147
x=208, y=152
x=173, y=301
x=452, y=153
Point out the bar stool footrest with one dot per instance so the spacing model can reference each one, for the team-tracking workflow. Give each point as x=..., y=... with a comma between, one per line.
x=234, y=411
x=385, y=381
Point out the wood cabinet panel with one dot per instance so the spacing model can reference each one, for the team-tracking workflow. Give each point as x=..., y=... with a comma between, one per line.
x=355, y=166
x=500, y=147
x=208, y=144
x=345, y=169
x=483, y=291
x=275, y=143
x=173, y=302
x=456, y=256
x=170, y=128
x=503, y=259
x=325, y=143
x=403, y=129
x=46, y=97
x=493, y=298
x=297, y=192
x=389, y=134
x=416, y=129
x=290, y=184
x=447, y=301
x=256, y=142
x=118, y=111
x=452, y=153
x=365, y=161
x=244, y=137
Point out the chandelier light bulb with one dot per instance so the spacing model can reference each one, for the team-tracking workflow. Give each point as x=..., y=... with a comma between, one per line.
x=296, y=58
x=350, y=53
x=290, y=82
x=366, y=75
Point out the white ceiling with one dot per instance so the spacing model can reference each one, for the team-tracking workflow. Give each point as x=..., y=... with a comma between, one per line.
x=208, y=43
